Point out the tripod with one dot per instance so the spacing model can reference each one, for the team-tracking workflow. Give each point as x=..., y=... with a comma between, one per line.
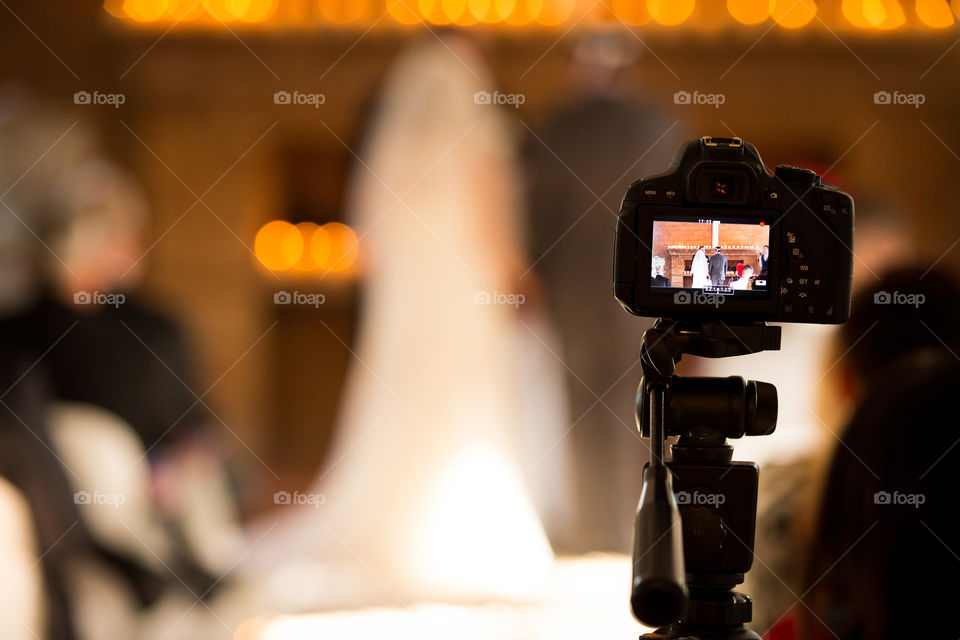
x=697, y=514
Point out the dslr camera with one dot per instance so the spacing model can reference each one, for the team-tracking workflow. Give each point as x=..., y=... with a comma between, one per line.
x=718, y=238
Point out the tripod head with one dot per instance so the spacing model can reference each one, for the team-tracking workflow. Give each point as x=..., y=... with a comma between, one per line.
x=697, y=513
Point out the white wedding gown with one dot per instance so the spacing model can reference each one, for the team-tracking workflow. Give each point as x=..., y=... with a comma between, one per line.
x=699, y=270
x=425, y=489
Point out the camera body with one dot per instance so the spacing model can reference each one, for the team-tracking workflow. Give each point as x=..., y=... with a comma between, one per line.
x=724, y=240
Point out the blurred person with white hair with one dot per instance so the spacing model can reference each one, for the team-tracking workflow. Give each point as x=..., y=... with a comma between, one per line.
x=120, y=414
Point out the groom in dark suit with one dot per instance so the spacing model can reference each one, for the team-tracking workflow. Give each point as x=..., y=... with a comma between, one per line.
x=764, y=259
x=717, y=268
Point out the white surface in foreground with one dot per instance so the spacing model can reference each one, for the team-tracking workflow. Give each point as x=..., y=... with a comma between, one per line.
x=588, y=598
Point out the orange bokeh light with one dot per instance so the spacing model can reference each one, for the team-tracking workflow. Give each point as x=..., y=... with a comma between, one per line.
x=555, y=12
x=793, y=14
x=433, y=12
x=670, y=12
x=854, y=12
x=306, y=247
x=934, y=13
x=344, y=247
x=403, y=11
x=305, y=261
x=145, y=10
x=258, y=10
x=181, y=10
x=750, y=11
x=343, y=11
x=630, y=11
x=321, y=246
x=278, y=245
x=882, y=14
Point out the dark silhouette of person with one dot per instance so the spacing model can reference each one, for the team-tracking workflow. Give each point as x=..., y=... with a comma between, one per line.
x=596, y=135
x=717, y=267
x=882, y=560
x=28, y=461
x=762, y=263
x=658, y=279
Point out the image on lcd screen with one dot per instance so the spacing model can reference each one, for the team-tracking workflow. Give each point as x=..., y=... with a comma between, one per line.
x=717, y=256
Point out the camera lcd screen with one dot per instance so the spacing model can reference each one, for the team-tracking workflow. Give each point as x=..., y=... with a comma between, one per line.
x=728, y=256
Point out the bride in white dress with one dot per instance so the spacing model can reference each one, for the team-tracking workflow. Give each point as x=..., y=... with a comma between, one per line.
x=425, y=491
x=699, y=270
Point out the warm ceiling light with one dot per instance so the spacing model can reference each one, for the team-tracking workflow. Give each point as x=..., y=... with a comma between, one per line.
x=321, y=246
x=403, y=11
x=955, y=4
x=670, y=12
x=874, y=12
x=893, y=15
x=456, y=12
x=460, y=12
x=305, y=261
x=235, y=9
x=145, y=10
x=262, y=10
x=218, y=9
x=432, y=11
x=524, y=12
x=557, y=12
x=343, y=11
x=630, y=11
x=500, y=10
x=181, y=10
x=278, y=245
x=344, y=246
x=793, y=14
x=750, y=11
x=854, y=12
x=480, y=9
x=934, y=13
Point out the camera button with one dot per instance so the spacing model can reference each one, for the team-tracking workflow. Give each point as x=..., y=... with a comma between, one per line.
x=804, y=177
x=843, y=206
x=670, y=194
x=649, y=192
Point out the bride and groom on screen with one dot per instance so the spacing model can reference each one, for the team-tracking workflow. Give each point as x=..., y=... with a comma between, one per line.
x=712, y=271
